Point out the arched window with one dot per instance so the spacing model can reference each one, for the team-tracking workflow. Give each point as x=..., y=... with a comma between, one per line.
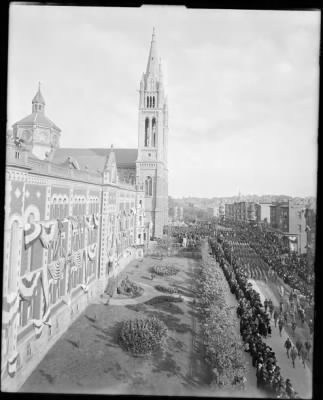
x=153, y=129
x=154, y=102
x=65, y=208
x=14, y=254
x=148, y=186
x=56, y=209
x=147, y=102
x=147, y=132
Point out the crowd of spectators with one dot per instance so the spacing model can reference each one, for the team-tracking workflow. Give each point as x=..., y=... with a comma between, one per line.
x=254, y=325
x=296, y=270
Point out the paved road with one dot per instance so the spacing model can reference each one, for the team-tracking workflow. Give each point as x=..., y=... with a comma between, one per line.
x=300, y=377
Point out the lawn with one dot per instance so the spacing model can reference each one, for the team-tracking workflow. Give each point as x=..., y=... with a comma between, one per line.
x=88, y=358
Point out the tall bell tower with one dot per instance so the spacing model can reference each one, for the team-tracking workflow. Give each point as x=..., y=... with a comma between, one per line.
x=151, y=165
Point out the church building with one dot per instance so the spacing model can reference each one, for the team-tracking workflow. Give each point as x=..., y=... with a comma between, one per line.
x=74, y=218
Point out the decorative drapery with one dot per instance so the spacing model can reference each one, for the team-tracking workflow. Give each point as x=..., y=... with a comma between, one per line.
x=91, y=251
x=77, y=258
x=12, y=364
x=10, y=308
x=28, y=285
x=88, y=220
x=49, y=232
x=96, y=220
x=75, y=223
x=56, y=269
x=133, y=211
x=45, y=288
x=38, y=324
x=31, y=233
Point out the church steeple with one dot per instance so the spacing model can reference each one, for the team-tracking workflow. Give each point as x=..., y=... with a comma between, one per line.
x=152, y=70
x=38, y=103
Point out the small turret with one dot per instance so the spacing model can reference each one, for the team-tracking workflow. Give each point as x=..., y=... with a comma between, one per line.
x=38, y=103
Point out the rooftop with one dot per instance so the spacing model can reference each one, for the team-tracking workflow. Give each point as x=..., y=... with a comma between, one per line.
x=94, y=159
x=37, y=118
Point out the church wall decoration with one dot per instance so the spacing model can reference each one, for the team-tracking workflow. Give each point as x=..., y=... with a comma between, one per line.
x=31, y=233
x=96, y=220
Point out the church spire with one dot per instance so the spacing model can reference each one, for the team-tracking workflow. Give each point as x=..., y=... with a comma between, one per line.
x=153, y=65
x=38, y=102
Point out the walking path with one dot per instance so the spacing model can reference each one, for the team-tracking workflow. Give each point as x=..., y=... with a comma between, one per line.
x=300, y=377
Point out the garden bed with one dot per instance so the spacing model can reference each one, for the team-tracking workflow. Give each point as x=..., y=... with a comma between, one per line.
x=129, y=288
x=165, y=270
x=142, y=336
x=163, y=299
x=166, y=289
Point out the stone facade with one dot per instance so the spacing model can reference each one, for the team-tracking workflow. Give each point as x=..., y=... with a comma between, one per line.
x=73, y=219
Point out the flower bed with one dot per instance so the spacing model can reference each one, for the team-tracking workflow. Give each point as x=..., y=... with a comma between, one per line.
x=142, y=336
x=166, y=289
x=129, y=288
x=165, y=270
x=163, y=299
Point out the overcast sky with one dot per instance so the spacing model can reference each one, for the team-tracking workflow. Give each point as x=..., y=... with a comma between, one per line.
x=242, y=88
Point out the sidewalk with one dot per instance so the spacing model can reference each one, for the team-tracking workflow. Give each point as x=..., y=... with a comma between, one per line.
x=300, y=377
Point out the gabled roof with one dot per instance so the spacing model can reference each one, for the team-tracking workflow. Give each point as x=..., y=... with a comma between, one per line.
x=95, y=158
x=37, y=118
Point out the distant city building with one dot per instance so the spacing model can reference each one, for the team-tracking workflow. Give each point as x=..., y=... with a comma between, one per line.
x=310, y=218
x=221, y=210
x=263, y=212
x=176, y=213
x=288, y=218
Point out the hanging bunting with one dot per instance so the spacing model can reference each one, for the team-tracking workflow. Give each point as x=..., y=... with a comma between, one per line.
x=56, y=269
x=60, y=225
x=85, y=286
x=45, y=288
x=10, y=311
x=27, y=287
x=38, y=324
x=91, y=251
x=12, y=364
x=88, y=221
x=31, y=233
x=76, y=259
x=49, y=233
x=85, y=266
x=75, y=223
x=96, y=220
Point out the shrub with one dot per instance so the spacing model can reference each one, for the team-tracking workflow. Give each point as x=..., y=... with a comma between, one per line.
x=165, y=270
x=166, y=289
x=142, y=336
x=129, y=288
